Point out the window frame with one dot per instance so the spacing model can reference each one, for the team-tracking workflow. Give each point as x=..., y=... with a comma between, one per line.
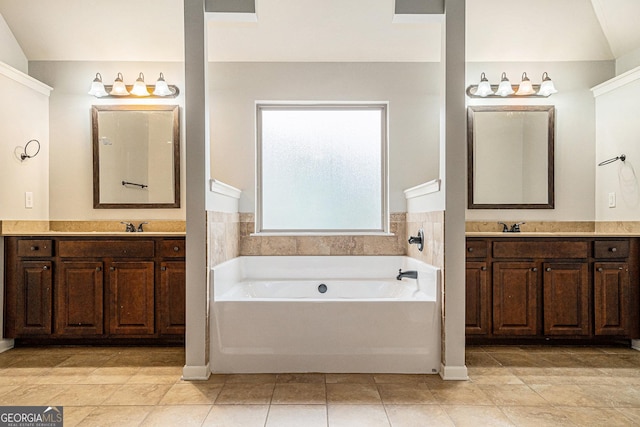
x=383, y=107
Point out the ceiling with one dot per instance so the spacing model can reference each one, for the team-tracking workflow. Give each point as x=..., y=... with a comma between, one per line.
x=323, y=30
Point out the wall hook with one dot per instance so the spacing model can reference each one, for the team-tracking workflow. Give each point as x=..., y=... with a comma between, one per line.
x=24, y=155
x=620, y=157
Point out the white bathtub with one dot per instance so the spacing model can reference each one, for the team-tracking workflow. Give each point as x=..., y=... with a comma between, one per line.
x=269, y=315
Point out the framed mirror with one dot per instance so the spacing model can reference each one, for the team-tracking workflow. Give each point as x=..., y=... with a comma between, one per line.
x=510, y=157
x=136, y=156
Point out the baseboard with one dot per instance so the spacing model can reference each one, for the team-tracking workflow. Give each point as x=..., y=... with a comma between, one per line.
x=6, y=344
x=195, y=373
x=454, y=373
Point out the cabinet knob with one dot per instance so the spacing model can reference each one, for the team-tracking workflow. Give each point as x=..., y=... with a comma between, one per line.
x=112, y=268
x=548, y=268
x=600, y=269
x=46, y=267
x=534, y=269
x=98, y=268
x=613, y=249
x=34, y=248
x=163, y=268
x=470, y=249
x=483, y=268
x=176, y=249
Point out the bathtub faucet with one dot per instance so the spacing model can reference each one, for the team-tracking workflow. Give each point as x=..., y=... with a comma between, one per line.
x=412, y=274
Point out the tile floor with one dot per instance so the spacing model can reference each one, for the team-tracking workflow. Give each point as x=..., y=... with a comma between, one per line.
x=509, y=386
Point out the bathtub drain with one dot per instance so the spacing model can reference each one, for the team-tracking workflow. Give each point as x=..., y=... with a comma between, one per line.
x=322, y=288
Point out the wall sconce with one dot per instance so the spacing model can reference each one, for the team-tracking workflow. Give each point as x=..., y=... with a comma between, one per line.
x=24, y=155
x=505, y=90
x=137, y=90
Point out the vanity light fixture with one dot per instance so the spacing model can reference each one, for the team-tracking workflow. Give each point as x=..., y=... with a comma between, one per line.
x=162, y=88
x=525, y=88
x=139, y=87
x=119, y=89
x=484, y=87
x=505, y=90
x=546, y=87
x=137, y=90
x=97, y=87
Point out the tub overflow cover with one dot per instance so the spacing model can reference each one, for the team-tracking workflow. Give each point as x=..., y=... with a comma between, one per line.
x=322, y=288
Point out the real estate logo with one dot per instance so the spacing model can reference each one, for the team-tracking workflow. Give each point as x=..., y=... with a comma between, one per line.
x=31, y=416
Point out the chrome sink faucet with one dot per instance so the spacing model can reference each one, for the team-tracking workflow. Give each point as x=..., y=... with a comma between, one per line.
x=412, y=274
x=140, y=229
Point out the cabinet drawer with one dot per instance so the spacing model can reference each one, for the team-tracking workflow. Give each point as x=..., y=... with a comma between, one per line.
x=541, y=249
x=611, y=249
x=172, y=249
x=35, y=248
x=106, y=248
x=476, y=249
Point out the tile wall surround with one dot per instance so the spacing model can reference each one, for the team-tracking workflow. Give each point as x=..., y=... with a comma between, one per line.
x=7, y=227
x=323, y=245
x=224, y=236
x=433, y=225
x=618, y=227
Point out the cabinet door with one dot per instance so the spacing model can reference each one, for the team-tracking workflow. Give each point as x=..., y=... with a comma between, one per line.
x=566, y=299
x=172, y=297
x=34, y=298
x=611, y=298
x=515, y=298
x=131, y=286
x=79, y=298
x=477, y=300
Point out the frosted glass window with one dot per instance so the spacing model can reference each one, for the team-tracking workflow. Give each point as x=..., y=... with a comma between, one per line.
x=322, y=168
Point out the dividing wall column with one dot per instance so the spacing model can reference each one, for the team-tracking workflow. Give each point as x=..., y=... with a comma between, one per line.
x=196, y=133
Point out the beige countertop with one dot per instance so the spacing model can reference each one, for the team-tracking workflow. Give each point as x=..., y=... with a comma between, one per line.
x=152, y=228
x=95, y=233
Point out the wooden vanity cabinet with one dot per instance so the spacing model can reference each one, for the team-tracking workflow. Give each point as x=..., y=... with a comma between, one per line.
x=545, y=288
x=95, y=288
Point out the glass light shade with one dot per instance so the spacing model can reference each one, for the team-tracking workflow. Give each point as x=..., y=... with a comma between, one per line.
x=484, y=87
x=119, y=89
x=162, y=89
x=547, y=87
x=525, y=87
x=504, y=88
x=139, y=87
x=97, y=87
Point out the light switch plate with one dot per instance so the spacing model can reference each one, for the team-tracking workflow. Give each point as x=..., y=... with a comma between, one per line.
x=612, y=200
x=28, y=200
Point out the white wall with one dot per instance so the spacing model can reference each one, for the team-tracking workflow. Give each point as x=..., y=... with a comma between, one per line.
x=25, y=115
x=575, y=136
x=10, y=51
x=628, y=61
x=618, y=132
x=412, y=90
x=71, y=174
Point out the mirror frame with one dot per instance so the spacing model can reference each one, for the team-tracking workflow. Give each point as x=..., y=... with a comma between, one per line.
x=550, y=110
x=175, y=109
